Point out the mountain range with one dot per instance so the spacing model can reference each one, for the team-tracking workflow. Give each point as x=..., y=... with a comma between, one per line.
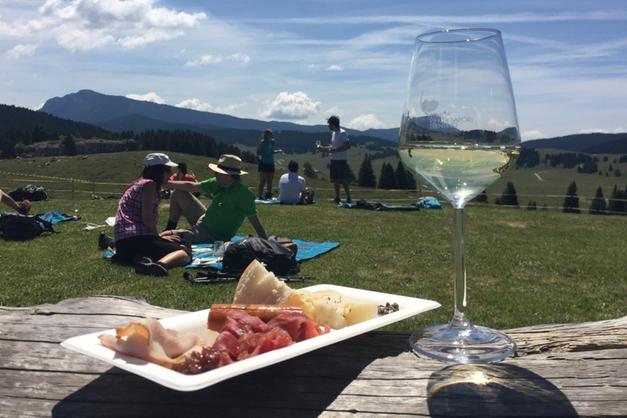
x=119, y=113
x=97, y=114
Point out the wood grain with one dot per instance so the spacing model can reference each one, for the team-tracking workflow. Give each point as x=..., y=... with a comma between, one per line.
x=561, y=370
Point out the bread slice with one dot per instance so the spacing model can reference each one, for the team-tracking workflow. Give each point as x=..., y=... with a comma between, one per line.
x=258, y=285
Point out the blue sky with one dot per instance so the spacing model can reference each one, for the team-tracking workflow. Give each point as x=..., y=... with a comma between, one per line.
x=301, y=61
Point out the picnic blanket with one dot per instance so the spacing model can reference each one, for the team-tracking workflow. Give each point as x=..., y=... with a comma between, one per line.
x=379, y=206
x=56, y=217
x=273, y=201
x=203, y=256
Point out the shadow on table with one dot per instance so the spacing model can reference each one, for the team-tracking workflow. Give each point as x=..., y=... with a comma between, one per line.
x=301, y=387
x=494, y=390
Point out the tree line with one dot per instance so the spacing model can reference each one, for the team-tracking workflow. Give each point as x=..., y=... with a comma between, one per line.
x=616, y=204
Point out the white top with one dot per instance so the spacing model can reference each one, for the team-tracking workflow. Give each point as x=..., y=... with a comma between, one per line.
x=337, y=140
x=290, y=186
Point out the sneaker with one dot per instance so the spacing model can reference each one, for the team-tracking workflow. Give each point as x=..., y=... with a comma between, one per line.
x=336, y=200
x=104, y=241
x=146, y=266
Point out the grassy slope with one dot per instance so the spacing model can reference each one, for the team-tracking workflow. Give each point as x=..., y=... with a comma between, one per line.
x=524, y=267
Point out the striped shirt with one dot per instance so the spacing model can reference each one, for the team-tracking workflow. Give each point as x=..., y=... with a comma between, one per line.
x=128, y=218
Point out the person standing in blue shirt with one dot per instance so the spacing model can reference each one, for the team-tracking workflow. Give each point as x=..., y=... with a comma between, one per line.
x=265, y=154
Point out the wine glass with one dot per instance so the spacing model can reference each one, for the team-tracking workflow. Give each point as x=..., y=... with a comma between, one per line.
x=459, y=132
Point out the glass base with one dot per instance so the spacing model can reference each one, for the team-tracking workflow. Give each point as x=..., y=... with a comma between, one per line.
x=453, y=344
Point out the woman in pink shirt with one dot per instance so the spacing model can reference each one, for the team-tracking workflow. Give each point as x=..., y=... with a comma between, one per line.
x=136, y=238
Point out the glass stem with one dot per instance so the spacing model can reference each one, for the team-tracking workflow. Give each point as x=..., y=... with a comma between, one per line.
x=460, y=317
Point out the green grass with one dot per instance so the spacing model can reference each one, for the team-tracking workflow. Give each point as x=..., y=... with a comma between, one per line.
x=524, y=267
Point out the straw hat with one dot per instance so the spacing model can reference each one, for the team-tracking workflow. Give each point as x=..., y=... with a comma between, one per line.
x=228, y=164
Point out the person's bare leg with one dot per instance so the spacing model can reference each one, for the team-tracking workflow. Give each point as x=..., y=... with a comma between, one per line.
x=269, y=182
x=348, y=191
x=260, y=187
x=175, y=259
x=336, y=185
x=180, y=202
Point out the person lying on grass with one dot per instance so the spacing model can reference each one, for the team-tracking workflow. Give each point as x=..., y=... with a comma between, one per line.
x=22, y=207
x=232, y=203
x=136, y=238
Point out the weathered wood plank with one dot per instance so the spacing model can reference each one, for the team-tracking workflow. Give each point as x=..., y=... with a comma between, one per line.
x=562, y=370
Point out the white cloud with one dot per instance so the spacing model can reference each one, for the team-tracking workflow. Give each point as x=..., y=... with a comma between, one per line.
x=82, y=25
x=148, y=97
x=21, y=50
x=295, y=105
x=197, y=104
x=237, y=58
x=334, y=67
x=532, y=134
x=365, y=121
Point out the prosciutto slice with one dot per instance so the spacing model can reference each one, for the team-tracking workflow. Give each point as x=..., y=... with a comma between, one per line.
x=148, y=340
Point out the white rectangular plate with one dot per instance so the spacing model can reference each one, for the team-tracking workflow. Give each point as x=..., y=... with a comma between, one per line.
x=89, y=344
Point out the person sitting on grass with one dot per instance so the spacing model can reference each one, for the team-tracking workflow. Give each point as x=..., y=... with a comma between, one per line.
x=136, y=238
x=22, y=207
x=293, y=188
x=232, y=203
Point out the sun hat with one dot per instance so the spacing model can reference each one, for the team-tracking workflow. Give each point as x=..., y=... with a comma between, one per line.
x=228, y=164
x=157, y=158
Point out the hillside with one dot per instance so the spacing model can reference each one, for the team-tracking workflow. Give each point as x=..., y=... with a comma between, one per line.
x=593, y=143
x=13, y=119
x=119, y=113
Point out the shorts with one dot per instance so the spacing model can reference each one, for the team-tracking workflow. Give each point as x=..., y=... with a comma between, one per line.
x=265, y=167
x=153, y=246
x=339, y=171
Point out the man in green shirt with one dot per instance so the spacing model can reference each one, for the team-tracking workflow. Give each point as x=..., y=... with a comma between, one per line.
x=232, y=203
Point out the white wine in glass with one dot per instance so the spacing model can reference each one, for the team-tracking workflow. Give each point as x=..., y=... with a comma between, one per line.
x=459, y=132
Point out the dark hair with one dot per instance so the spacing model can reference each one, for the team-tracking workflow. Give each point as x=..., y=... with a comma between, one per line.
x=155, y=173
x=182, y=167
x=292, y=166
x=235, y=176
x=267, y=132
x=334, y=120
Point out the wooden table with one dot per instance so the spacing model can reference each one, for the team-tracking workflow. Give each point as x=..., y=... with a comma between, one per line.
x=562, y=370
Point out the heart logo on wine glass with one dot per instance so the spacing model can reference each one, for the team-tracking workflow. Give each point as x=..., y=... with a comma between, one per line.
x=428, y=106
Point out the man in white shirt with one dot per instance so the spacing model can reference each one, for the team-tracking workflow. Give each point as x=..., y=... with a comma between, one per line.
x=338, y=152
x=293, y=188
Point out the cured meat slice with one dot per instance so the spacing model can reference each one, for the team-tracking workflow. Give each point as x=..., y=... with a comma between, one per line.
x=147, y=339
x=298, y=326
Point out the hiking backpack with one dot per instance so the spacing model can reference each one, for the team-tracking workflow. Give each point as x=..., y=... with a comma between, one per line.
x=277, y=257
x=23, y=227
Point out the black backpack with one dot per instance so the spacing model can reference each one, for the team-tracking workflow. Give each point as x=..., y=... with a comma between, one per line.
x=277, y=258
x=23, y=227
x=30, y=192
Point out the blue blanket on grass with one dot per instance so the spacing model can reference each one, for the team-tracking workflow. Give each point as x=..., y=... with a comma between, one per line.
x=203, y=257
x=56, y=217
x=273, y=201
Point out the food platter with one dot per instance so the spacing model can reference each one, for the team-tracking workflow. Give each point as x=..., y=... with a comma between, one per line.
x=90, y=345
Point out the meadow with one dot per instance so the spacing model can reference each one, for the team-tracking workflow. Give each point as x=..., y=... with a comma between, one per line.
x=524, y=267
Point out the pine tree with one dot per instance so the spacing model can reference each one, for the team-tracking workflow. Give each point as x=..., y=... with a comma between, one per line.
x=387, y=179
x=598, y=205
x=616, y=203
x=571, y=201
x=69, y=145
x=509, y=197
x=366, y=173
x=401, y=177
